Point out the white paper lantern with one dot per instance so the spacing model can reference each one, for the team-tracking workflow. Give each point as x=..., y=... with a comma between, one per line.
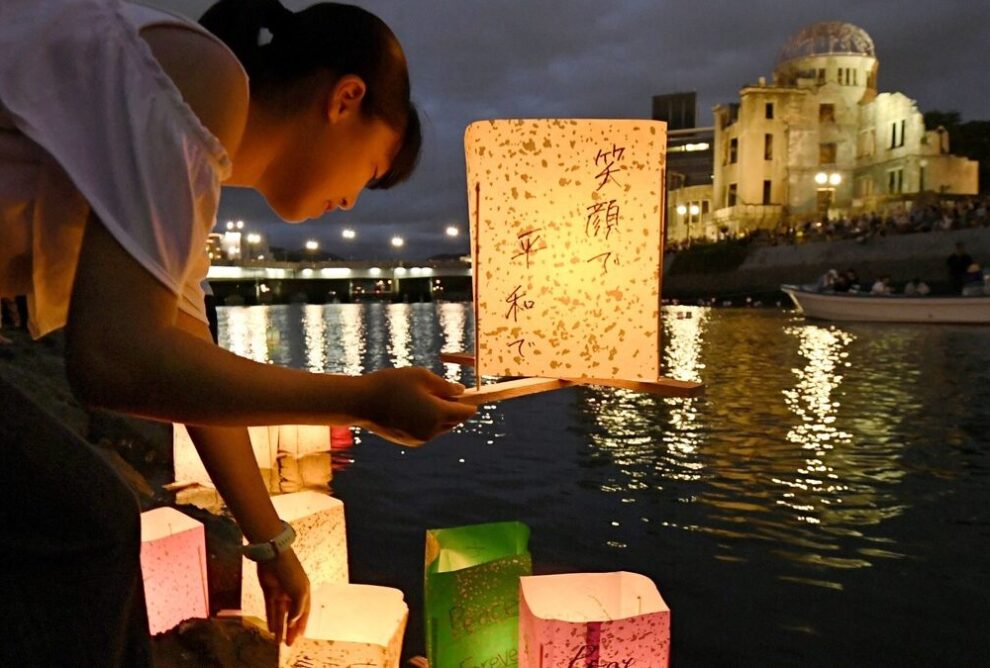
x=189, y=467
x=173, y=563
x=304, y=460
x=592, y=619
x=300, y=440
x=351, y=625
x=321, y=544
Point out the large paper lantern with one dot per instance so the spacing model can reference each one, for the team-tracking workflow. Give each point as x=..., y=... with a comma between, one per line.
x=592, y=619
x=321, y=544
x=351, y=625
x=472, y=593
x=567, y=221
x=173, y=563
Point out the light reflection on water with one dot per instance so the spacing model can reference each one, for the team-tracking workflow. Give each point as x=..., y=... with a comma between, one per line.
x=817, y=452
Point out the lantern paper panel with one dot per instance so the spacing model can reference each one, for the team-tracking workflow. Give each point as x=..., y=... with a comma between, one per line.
x=321, y=544
x=299, y=440
x=567, y=246
x=351, y=625
x=311, y=471
x=173, y=564
x=471, y=595
x=189, y=467
x=598, y=619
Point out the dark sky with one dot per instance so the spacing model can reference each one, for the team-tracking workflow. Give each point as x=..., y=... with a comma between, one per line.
x=474, y=59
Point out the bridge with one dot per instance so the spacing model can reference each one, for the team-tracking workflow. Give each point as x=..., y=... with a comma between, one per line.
x=255, y=282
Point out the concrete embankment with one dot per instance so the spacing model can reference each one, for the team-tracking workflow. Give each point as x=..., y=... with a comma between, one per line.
x=764, y=268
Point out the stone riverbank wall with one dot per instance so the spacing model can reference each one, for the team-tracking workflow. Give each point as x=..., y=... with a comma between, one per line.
x=728, y=272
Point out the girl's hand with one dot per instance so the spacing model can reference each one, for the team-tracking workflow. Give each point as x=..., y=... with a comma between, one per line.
x=286, y=590
x=411, y=405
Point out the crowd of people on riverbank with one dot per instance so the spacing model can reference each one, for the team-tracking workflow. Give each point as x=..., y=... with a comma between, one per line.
x=965, y=277
x=943, y=215
x=940, y=216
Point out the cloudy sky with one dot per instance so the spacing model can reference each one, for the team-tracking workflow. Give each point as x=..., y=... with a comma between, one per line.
x=474, y=59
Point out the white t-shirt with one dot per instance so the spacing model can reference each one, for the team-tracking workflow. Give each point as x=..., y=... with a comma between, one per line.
x=90, y=122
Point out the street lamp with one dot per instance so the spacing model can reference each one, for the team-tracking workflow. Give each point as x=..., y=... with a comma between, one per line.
x=452, y=231
x=398, y=242
x=348, y=233
x=832, y=180
x=312, y=245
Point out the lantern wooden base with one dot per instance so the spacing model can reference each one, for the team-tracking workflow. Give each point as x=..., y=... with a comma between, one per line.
x=509, y=389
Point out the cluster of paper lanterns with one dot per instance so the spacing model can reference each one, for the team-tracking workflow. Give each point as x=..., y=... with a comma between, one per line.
x=483, y=608
x=350, y=624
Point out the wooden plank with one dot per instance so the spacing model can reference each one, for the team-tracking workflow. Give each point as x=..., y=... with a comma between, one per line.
x=510, y=389
x=664, y=387
x=463, y=358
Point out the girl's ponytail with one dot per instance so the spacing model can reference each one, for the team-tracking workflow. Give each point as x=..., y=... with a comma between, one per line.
x=239, y=23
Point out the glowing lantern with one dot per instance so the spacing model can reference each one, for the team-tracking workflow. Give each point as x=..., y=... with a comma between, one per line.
x=567, y=234
x=351, y=625
x=321, y=544
x=303, y=457
x=189, y=467
x=173, y=562
x=472, y=593
x=592, y=619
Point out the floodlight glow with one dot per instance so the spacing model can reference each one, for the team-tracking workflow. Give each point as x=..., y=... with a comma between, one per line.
x=821, y=178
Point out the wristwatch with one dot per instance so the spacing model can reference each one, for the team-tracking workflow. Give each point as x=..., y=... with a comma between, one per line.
x=270, y=549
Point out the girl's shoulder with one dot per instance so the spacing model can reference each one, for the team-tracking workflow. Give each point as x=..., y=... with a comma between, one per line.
x=208, y=76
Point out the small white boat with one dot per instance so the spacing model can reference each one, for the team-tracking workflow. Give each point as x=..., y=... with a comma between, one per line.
x=866, y=307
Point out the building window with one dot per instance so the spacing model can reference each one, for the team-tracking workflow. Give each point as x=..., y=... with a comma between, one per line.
x=897, y=134
x=864, y=186
x=855, y=77
x=733, y=150
x=766, y=191
x=769, y=110
x=730, y=198
x=826, y=113
x=826, y=153
x=768, y=147
x=866, y=144
x=821, y=76
x=895, y=181
x=704, y=207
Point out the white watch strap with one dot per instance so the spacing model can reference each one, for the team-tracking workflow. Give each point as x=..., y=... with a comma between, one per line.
x=270, y=549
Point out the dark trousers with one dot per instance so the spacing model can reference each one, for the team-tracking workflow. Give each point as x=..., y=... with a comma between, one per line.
x=71, y=592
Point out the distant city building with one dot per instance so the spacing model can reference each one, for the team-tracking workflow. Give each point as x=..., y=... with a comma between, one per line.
x=689, y=163
x=818, y=141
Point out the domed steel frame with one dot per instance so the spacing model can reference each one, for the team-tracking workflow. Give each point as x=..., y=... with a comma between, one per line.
x=827, y=37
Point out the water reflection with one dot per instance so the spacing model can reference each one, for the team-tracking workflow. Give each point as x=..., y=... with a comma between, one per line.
x=399, y=344
x=795, y=446
x=245, y=332
x=316, y=338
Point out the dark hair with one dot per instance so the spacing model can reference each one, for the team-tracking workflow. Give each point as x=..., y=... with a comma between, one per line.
x=311, y=49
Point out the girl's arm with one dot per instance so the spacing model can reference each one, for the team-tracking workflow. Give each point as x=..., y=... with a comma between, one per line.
x=228, y=457
x=125, y=352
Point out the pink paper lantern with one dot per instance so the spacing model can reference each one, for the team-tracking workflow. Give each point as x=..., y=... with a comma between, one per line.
x=592, y=619
x=351, y=625
x=173, y=562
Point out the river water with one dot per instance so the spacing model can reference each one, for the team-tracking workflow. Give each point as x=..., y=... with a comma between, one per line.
x=826, y=502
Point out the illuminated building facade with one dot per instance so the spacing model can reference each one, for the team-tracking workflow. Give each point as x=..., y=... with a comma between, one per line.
x=820, y=141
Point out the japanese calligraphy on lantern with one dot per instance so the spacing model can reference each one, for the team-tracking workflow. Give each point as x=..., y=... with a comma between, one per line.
x=567, y=246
